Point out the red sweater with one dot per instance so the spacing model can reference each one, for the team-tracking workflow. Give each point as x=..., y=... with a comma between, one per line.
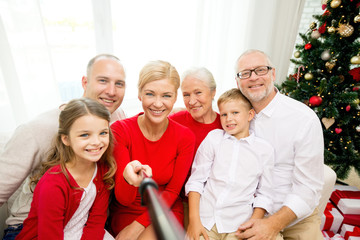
x=199, y=129
x=55, y=202
x=170, y=159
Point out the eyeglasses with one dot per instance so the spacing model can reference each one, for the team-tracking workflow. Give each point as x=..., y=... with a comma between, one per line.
x=260, y=71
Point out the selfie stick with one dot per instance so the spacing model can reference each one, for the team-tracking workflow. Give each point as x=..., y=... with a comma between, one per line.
x=165, y=224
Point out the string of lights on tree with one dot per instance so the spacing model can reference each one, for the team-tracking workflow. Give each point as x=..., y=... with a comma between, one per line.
x=327, y=79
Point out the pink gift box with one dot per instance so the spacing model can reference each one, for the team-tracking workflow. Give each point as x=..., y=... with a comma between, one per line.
x=350, y=232
x=331, y=219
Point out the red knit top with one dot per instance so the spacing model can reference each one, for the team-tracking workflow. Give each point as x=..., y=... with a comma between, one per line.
x=170, y=158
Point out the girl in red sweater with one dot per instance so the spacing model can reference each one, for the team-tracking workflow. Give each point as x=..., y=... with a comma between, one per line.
x=71, y=197
x=153, y=139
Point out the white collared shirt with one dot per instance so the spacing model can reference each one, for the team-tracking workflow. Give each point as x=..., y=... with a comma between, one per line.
x=233, y=176
x=295, y=132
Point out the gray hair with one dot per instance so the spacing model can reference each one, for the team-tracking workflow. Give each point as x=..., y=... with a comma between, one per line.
x=202, y=74
x=247, y=52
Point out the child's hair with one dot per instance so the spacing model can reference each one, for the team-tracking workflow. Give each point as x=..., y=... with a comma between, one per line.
x=234, y=94
x=60, y=153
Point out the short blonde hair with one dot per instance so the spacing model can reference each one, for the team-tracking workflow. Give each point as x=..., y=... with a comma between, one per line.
x=234, y=94
x=158, y=70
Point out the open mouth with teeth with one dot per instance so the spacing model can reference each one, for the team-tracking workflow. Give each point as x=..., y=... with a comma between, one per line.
x=231, y=126
x=107, y=100
x=94, y=150
x=157, y=112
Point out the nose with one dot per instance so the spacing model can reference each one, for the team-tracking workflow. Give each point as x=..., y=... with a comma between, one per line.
x=95, y=140
x=111, y=90
x=192, y=100
x=228, y=117
x=158, y=103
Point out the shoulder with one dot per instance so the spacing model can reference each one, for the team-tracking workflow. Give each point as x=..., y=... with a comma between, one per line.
x=179, y=115
x=296, y=111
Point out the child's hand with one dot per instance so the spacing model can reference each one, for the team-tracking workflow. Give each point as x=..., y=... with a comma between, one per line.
x=194, y=231
x=133, y=172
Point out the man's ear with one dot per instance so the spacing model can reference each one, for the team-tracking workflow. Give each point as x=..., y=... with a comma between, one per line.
x=65, y=140
x=84, y=82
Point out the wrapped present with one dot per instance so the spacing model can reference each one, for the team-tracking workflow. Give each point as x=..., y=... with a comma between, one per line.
x=345, y=188
x=331, y=219
x=352, y=219
x=347, y=201
x=329, y=235
x=350, y=232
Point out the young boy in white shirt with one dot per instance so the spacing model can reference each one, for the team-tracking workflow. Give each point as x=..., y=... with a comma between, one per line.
x=231, y=178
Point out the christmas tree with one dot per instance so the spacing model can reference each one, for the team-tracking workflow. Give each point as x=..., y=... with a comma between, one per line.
x=326, y=78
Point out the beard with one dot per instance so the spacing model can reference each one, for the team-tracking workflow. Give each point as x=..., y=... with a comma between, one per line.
x=257, y=97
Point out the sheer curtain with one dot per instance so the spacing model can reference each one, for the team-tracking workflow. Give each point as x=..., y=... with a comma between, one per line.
x=46, y=44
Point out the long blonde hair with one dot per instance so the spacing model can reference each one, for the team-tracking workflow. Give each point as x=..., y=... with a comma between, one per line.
x=60, y=153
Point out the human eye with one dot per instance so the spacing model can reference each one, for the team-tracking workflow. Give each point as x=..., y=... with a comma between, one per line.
x=167, y=95
x=261, y=70
x=120, y=84
x=198, y=92
x=244, y=74
x=223, y=115
x=102, y=80
x=234, y=113
x=84, y=135
x=104, y=133
x=186, y=95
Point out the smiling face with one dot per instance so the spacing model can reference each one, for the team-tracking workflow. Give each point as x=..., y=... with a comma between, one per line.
x=105, y=83
x=235, y=117
x=258, y=89
x=197, y=98
x=157, y=98
x=88, y=137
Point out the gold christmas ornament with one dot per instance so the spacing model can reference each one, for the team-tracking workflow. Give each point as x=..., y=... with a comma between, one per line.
x=328, y=122
x=312, y=25
x=297, y=54
x=355, y=59
x=330, y=65
x=331, y=30
x=335, y=3
x=356, y=101
x=309, y=76
x=357, y=18
x=345, y=30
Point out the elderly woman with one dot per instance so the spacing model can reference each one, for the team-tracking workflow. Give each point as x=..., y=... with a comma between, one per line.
x=152, y=139
x=198, y=88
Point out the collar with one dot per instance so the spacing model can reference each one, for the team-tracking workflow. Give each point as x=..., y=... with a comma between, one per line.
x=270, y=108
x=249, y=139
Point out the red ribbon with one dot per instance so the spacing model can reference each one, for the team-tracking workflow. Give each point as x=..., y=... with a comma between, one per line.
x=338, y=194
x=354, y=233
x=329, y=218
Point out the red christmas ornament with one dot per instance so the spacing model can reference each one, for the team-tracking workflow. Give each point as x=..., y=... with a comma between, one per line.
x=322, y=29
x=347, y=108
x=355, y=89
x=315, y=101
x=355, y=73
x=323, y=6
x=338, y=130
x=308, y=46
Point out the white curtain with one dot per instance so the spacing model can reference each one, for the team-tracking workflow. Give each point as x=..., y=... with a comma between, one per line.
x=46, y=44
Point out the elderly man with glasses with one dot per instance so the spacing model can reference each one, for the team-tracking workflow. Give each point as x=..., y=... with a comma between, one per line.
x=295, y=132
